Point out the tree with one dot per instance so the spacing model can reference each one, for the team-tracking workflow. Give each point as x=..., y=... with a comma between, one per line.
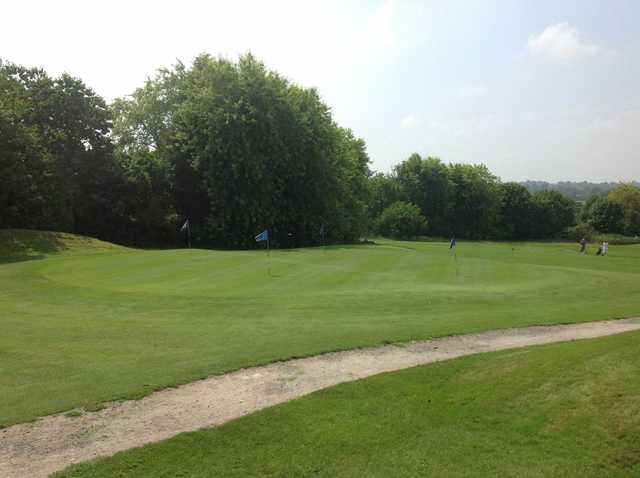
x=238, y=149
x=628, y=197
x=427, y=183
x=401, y=220
x=56, y=153
x=476, y=201
x=554, y=213
x=385, y=189
x=604, y=215
x=516, y=211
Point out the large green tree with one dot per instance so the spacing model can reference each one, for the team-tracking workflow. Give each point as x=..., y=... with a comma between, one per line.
x=385, y=189
x=237, y=149
x=517, y=212
x=55, y=153
x=603, y=215
x=427, y=182
x=628, y=197
x=553, y=214
x=476, y=201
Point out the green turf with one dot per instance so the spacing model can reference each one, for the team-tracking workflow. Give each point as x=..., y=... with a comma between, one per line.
x=91, y=324
x=568, y=409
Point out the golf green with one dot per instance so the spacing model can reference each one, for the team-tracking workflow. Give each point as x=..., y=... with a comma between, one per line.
x=95, y=323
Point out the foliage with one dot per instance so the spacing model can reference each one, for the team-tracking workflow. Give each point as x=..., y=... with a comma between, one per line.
x=476, y=210
x=468, y=201
x=517, y=212
x=604, y=215
x=427, y=183
x=384, y=191
x=401, y=220
x=56, y=165
x=234, y=147
x=628, y=197
x=237, y=149
x=554, y=213
x=580, y=231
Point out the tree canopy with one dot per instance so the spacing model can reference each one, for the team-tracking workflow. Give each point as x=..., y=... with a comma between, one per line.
x=237, y=148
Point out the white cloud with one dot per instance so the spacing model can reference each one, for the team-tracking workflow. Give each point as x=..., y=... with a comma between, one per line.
x=471, y=91
x=560, y=41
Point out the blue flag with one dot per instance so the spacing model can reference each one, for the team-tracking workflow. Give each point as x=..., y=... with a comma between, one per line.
x=263, y=236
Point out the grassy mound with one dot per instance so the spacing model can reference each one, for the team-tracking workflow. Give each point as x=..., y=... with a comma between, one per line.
x=568, y=409
x=87, y=328
x=30, y=243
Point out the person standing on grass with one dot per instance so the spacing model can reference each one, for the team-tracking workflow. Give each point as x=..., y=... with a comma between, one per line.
x=452, y=243
x=583, y=244
x=605, y=248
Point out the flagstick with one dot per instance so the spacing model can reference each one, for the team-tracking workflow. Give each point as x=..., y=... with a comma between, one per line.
x=268, y=258
x=455, y=258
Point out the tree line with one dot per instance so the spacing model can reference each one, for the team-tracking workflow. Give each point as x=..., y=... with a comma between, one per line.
x=578, y=191
x=427, y=196
x=232, y=146
x=237, y=148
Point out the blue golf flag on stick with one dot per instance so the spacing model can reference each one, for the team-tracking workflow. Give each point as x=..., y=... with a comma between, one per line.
x=263, y=236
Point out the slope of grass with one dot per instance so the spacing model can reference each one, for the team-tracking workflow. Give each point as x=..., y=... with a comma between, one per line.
x=24, y=244
x=568, y=409
x=82, y=328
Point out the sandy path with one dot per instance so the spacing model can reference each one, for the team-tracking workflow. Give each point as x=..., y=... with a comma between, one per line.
x=50, y=444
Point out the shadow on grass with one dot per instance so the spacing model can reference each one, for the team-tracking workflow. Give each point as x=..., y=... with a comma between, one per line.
x=18, y=244
x=13, y=259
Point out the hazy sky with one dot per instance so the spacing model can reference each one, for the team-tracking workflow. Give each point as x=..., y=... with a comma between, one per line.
x=534, y=89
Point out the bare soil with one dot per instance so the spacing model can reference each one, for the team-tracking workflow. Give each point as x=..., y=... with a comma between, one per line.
x=54, y=442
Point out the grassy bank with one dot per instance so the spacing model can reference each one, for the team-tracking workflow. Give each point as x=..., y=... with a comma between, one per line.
x=568, y=409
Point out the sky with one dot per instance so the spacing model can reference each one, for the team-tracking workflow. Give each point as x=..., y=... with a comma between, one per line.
x=541, y=90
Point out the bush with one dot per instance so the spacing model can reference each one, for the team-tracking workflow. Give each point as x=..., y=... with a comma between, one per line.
x=401, y=220
x=579, y=231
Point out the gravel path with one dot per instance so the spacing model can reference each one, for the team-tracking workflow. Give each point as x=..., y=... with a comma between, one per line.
x=54, y=442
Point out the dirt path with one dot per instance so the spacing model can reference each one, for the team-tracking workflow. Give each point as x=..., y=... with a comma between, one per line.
x=54, y=442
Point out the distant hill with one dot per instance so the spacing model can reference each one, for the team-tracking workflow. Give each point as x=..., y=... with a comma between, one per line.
x=578, y=191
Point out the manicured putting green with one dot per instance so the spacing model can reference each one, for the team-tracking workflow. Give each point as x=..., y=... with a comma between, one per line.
x=568, y=409
x=95, y=323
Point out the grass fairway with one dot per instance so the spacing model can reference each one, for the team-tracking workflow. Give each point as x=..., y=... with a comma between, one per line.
x=568, y=409
x=96, y=323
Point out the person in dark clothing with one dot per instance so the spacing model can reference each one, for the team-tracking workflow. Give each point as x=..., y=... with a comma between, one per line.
x=583, y=244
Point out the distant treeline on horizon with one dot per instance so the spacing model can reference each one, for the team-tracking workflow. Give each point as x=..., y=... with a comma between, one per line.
x=579, y=191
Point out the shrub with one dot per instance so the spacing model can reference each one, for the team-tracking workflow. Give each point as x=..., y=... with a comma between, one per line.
x=401, y=220
x=579, y=231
